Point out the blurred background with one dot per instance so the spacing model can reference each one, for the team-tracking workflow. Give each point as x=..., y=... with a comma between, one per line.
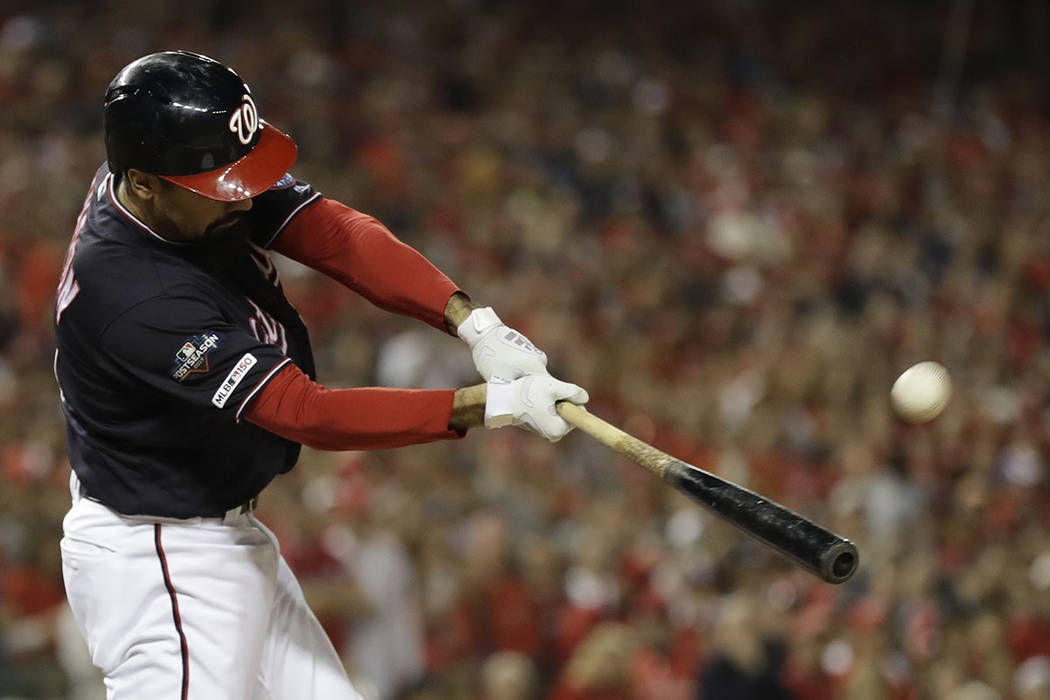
x=733, y=222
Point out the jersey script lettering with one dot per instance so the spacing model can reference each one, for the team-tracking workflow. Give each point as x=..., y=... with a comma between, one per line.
x=267, y=328
x=68, y=287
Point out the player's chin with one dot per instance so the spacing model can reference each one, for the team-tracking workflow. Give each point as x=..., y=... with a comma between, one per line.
x=225, y=223
x=225, y=230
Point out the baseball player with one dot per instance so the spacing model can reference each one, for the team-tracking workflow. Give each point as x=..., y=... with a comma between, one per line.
x=186, y=379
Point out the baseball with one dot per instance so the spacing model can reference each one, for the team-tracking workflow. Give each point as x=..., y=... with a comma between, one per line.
x=921, y=392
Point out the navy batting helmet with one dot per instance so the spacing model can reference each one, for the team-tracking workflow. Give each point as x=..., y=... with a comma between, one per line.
x=192, y=121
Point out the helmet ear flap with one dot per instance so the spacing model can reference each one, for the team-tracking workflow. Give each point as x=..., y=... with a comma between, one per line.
x=131, y=131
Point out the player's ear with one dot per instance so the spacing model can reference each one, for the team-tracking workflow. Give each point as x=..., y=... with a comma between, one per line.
x=142, y=185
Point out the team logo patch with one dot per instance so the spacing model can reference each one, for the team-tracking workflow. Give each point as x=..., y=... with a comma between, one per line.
x=192, y=357
x=239, y=372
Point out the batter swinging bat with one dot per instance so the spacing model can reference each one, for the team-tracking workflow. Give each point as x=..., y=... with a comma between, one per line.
x=829, y=556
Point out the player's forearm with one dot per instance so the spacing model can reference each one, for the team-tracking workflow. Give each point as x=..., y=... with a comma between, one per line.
x=468, y=408
x=457, y=309
x=360, y=252
x=296, y=408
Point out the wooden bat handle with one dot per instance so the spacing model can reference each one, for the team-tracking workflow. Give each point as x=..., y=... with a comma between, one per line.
x=609, y=435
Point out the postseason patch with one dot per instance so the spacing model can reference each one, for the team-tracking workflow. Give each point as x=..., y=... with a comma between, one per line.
x=192, y=357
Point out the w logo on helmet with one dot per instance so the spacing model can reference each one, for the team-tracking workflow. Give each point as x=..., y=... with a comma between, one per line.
x=245, y=120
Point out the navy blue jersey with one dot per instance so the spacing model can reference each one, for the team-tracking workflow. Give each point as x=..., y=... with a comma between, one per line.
x=162, y=345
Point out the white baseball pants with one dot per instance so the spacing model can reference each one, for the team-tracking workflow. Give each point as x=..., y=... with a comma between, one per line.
x=201, y=609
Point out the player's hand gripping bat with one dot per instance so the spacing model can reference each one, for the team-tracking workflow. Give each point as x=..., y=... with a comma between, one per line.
x=829, y=556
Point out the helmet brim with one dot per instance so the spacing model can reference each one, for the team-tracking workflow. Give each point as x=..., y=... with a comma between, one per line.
x=248, y=176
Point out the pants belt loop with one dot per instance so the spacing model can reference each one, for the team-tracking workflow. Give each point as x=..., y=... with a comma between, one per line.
x=75, y=489
x=237, y=511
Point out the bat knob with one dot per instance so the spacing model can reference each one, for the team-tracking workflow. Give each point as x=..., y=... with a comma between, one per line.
x=839, y=562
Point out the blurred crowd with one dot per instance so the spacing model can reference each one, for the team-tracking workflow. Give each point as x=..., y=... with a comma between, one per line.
x=733, y=222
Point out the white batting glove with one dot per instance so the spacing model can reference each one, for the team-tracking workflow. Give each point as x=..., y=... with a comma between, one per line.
x=500, y=351
x=529, y=402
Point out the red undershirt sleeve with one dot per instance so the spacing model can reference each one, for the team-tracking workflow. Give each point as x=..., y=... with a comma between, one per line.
x=368, y=418
x=360, y=252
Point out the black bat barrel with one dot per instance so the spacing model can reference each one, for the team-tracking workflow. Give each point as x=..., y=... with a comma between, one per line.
x=829, y=556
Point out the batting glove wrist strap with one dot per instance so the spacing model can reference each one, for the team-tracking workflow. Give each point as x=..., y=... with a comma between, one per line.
x=477, y=324
x=499, y=403
x=530, y=403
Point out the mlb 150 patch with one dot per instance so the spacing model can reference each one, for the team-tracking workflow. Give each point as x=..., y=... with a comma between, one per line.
x=192, y=357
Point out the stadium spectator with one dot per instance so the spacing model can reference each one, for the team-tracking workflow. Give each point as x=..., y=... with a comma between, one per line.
x=734, y=223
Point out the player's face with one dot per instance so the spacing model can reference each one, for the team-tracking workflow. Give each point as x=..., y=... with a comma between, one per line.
x=187, y=216
x=180, y=215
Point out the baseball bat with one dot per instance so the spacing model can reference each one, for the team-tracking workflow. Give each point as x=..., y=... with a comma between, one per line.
x=820, y=551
